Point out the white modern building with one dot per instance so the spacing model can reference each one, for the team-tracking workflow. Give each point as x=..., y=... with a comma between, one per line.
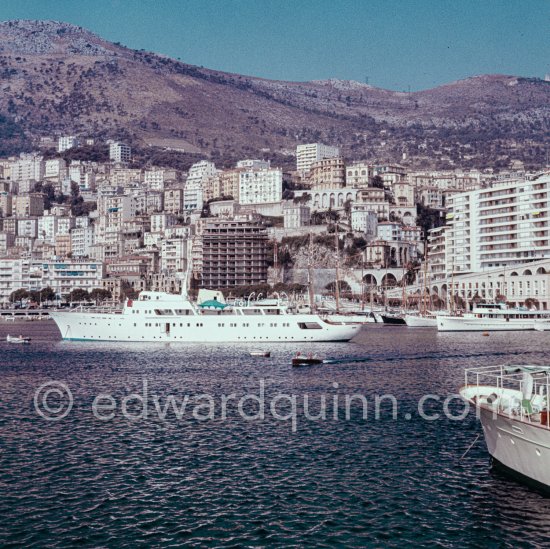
x=28, y=167
x=173, y=255
x=260, y=186
x=309, y=153
x=66, y=142
x=65, y=276
x=120, y=152
x=192, y=193
x=82, y=238
x=503, y=225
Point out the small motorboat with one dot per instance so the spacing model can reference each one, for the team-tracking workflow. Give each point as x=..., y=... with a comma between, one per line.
x=265, y=354
x=20, y=339
x=306, y=360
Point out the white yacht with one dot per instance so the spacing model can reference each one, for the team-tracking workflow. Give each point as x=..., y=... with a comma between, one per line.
x=512, y=404
x=427, y=320
x=491, y=317
x=159, y=316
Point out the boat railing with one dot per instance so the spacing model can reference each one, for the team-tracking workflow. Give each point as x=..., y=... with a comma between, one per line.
x=526, y=388
x=94, y=310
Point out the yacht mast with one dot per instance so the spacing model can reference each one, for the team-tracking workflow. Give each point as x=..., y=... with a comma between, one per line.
x=310, y=274
x=337, y=291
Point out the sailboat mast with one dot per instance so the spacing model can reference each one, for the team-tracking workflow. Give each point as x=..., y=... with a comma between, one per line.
x=424, y=304
x=310, y=274
x=337, y=292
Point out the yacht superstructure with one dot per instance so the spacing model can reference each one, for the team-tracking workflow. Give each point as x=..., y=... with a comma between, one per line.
x=491, y=317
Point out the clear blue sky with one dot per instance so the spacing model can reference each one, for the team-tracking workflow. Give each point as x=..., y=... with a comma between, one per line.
x=395, y=43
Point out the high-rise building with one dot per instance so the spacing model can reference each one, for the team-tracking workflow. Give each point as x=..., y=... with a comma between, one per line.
x=502, y=225
x=309, y=153
x=66, y=142
x=120, y=152
x=234, y=253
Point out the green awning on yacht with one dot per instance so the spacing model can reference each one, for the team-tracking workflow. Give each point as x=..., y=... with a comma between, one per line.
x=212, y=303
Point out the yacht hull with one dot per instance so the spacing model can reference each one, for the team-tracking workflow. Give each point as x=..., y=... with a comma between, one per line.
x=126, y=327
x=521, y=447
x=473, y=324
x=416, y=321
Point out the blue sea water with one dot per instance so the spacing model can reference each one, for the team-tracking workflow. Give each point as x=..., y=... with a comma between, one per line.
x=232, y=482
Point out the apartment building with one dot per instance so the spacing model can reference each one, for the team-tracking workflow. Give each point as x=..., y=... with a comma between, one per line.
x=173, y=255
x=436, y=255
x=296, y=215
x=49, y=226
x=82, y=238
x=374, y=199
x=16, y=273
x=66, y=142
x=25, y=205
x=55, y=169
x=198, y=174
x=157, y=178
x=359, y=174
x=120, y=152
x=234, y=253
x=28, y=167
x=65, y=276
x=260, y=186
x=364, y=220
x=309, y=153
x=5, y=204
x=327, y=173
x=499, y=226
x=173, y=201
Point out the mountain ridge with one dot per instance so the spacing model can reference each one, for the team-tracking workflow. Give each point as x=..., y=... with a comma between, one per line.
x=61, y=78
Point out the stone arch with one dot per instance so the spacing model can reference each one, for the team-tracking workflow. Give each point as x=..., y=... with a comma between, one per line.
x=332, y=200
x=370, y=280
x=324, y=200
x=513, y=273
x=340, y=199
x=349, y=196
x=527, y=272
x=435, y=290
x=541, y=271
x=344, y=287
x=389, y=280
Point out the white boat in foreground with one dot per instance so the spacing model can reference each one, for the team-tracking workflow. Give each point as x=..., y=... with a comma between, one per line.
x=512, y=402
x=19, y=340
x=163, y=317
x=492, y=317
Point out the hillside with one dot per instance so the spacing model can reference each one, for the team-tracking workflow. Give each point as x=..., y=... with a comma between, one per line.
x=58, y=78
